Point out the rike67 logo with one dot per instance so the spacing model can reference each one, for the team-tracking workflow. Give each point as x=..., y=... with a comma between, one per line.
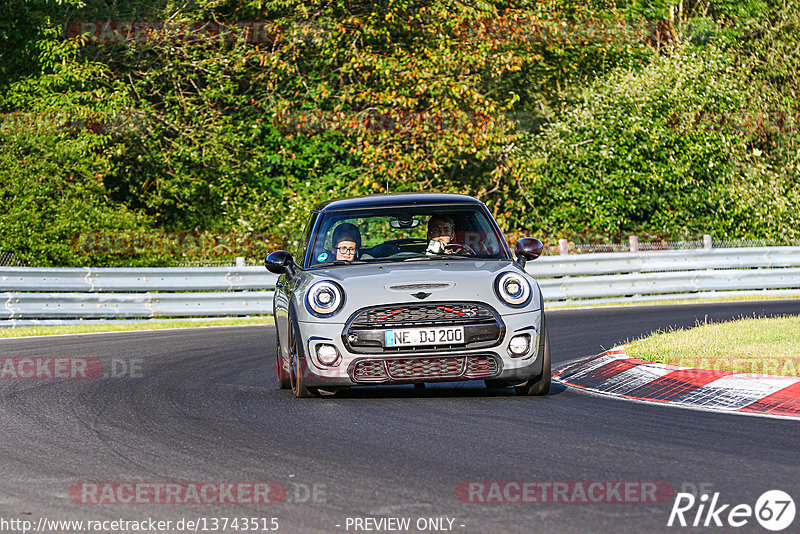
x=774, y=510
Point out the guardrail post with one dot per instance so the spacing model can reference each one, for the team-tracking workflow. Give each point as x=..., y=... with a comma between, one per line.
x=239, y=261
x=633, y=241
x=563, y=247
x=707, y=243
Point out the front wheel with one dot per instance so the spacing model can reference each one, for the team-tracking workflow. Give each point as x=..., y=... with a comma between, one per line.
x=283, y=376
x=539, y=385
x=297, y=367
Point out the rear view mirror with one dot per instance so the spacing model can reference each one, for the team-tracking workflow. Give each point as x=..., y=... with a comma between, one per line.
x=404, y=222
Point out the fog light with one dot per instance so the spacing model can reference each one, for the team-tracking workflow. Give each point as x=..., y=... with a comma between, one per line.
x=327, y=354
x=519, y=345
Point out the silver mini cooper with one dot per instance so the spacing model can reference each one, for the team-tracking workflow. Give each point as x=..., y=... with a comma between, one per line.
x=408, y=289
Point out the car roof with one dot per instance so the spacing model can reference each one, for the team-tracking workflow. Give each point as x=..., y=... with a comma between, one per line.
x=394, y=199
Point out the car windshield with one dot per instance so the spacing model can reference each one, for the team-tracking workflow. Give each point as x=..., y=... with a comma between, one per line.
x=412, y=233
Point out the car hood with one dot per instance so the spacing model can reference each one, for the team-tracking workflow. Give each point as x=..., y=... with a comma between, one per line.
x=395, y=283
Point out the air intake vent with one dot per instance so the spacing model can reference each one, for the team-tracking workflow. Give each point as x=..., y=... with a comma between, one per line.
x=473, y=366
x=416, y=287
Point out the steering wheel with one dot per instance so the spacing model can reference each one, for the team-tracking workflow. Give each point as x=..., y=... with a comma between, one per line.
x=383, y=250
x=460, y=248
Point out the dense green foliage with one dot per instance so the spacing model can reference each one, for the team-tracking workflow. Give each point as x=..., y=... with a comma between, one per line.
x=590, y=120
x=661, y=151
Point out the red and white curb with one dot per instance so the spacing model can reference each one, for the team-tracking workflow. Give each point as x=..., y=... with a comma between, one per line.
x=614, y=373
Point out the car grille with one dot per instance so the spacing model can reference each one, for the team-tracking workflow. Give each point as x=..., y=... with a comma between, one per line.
x=421, y=314
x=365, y=330
x=402, y=369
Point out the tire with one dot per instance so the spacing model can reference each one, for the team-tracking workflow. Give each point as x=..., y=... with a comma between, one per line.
x=539, y=385
x=297, y=366
x=283, y=377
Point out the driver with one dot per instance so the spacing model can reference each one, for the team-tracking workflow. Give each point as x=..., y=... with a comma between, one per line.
x=346, y=241
x=441, y=231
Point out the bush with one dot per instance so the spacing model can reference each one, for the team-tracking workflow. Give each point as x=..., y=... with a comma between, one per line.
x=658, y=152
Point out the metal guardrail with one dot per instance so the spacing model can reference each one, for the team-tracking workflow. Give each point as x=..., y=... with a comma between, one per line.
x=53, y=293
x=33, y=292
x=672, y=260
x=668, y=275
x=135, y=279
x=148, y=305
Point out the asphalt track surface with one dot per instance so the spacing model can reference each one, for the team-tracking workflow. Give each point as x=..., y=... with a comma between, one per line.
x=205, y=407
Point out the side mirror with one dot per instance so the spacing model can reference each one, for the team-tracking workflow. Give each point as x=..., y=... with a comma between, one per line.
x=279, y=262
x=528, y=248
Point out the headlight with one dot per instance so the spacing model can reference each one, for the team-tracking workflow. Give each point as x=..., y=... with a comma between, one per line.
x=514, y=289
x=325, y=298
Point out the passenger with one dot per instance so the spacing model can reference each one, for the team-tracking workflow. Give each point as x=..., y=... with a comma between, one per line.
x=346, y=242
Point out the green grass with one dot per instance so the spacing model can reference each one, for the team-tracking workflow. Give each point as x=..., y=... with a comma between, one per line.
x=748, y=345
x=111, y=326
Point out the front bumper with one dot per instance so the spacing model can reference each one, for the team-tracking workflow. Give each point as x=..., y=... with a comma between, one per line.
x=442, y=365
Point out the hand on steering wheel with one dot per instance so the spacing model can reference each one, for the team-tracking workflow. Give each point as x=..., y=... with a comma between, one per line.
x=459, y=248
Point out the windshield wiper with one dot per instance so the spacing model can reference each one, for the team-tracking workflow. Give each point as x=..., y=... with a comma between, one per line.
x=338, y=262
x=388, y=260
x=452, y=255
x=440, y=257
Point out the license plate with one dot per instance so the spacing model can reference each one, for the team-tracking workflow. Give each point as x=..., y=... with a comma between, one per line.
x=412, y=337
